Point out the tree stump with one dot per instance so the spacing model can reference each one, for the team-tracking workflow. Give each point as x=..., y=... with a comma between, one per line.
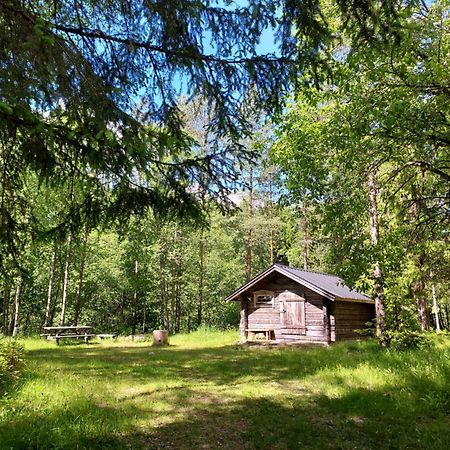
x=160, y=337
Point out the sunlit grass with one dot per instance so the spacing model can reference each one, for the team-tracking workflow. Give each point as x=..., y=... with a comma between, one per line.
x=205, y=391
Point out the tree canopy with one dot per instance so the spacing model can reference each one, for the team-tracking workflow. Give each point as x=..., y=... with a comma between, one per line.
x=89, y=93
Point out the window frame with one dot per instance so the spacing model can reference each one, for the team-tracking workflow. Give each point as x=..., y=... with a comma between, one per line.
x=264, y=304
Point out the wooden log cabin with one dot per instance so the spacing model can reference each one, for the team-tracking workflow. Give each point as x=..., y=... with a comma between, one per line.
x=284, y=304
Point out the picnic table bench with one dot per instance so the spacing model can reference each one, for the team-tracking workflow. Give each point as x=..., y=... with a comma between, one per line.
x=269, y=333
x=107, y=336
x=68, y=332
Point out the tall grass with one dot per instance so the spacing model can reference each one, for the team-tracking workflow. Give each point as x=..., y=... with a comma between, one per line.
x=204, y=391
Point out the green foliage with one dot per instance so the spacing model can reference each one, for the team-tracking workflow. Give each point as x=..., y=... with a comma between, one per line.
x=12, y=362
x=408, y=339
x=405, y=339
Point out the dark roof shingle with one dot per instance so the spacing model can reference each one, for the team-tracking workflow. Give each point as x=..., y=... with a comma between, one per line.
x=329, y=286
x=329, y=283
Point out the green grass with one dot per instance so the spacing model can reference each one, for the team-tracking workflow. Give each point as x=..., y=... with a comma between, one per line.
x=205, y=392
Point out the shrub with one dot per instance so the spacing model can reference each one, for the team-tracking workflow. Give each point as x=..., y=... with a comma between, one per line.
x=369, y=329
x=11, y=362
x=406, y=339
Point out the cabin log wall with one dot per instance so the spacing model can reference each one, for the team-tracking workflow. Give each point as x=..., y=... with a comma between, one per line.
x=268, y=317
x=351, y=316
x=243, y=325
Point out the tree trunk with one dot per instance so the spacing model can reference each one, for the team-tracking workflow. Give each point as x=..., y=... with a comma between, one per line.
x=122, y=306
x=435, y=303
x=418, y=285
x=177, y=304
x=377, y=275
x=144, y=325
x=65, y=282
x=421, y=304
x=51, y=276
x=271, y=231
x=135, y=299
x=176, y=281
x=243, y=325
x=201, y=251
x=305, y=233
x=17, y=306
x=418, y=289
x=396, y=314
x=163, y=282
x=57, y=289
x=78, y=302
x=250, y=225
x=5, y=308
x=447, y=317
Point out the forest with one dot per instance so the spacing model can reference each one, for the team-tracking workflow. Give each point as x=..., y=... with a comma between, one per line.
x=130, y=205
x=155, y=155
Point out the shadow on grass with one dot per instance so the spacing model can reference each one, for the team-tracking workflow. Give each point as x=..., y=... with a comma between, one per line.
x=233, y=364
x=80, y=425
x=264, y=423
x=211, y=422
x=410, y=411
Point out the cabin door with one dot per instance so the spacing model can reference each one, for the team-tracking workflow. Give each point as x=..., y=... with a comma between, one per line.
x=292, y=315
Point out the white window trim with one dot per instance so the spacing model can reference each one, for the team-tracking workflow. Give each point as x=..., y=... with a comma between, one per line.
x=263, y=293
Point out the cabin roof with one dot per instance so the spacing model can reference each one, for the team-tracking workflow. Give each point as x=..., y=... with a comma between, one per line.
x=329, y=286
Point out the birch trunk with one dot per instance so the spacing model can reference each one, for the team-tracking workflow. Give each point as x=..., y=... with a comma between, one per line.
x=135, y=298
x=77, y=309
x=65, y=282
x=144, y=325
x=201, y=251
x=176, y=281
x=305, y=233
x=250, y=225
x=163, y=282
x=271, y=231
x=57, y=289
x=377, y=275
x=51, y=277
x=5, y=307
x=435, y=302
x=17, y=307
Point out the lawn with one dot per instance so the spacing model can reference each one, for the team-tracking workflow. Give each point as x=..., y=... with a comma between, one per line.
x=206, y=392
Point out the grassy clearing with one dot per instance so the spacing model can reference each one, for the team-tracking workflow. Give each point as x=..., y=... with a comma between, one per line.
x=206, y=392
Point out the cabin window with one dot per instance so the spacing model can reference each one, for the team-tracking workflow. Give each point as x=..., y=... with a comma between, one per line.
x=264, y=299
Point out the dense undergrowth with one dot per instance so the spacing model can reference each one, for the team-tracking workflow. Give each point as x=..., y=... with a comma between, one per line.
x=204, y=391
x=11, y=363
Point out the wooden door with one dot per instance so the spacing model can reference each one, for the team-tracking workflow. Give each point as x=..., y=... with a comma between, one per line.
x=292, y=314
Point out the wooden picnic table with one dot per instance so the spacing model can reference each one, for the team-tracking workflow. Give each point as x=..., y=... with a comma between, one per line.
x=68, y=332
